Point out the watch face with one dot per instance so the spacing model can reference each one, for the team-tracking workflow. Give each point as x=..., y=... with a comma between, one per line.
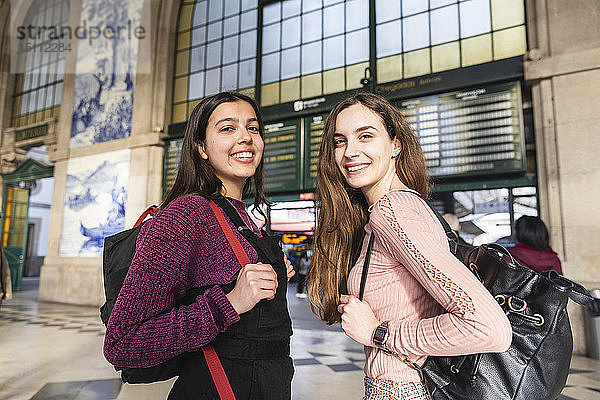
x=380, y=335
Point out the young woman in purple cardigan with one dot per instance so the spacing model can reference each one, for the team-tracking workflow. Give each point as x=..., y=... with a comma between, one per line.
x=242, y=309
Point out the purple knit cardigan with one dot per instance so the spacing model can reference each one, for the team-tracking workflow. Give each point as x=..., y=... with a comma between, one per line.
x=181, y=248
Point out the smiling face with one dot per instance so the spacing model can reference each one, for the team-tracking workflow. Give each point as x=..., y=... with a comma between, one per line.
x=233, y=145
x=364, y=151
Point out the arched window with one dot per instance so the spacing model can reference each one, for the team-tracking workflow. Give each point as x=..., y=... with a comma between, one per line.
x=41, y=64
x=416, y=37
x=312, y=48
x=215, y=51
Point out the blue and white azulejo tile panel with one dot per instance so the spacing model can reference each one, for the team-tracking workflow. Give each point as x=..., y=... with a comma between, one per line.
x=95, y=199
x=105, y=72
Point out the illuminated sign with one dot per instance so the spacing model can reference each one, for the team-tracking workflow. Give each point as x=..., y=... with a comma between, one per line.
x=293, y=238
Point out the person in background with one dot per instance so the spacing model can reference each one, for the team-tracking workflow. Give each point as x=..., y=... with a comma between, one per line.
x=5, y=282
x=533, y=246
x=454, y=223
x=291, y=257
x=303, y=263
x=419, y=299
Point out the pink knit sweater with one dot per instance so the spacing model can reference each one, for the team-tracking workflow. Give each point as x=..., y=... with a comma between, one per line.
x=412, y=278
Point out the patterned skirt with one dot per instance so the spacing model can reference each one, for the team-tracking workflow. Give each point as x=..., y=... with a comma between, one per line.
x=376, y=389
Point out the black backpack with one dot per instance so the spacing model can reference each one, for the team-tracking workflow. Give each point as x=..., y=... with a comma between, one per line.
x=117, y=256
x=118, y=253
x=536, y=365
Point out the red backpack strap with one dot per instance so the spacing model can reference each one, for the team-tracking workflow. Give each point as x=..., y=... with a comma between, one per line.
x=239, y=251
x=152, y=210
x=218, y=373
x=212, y=359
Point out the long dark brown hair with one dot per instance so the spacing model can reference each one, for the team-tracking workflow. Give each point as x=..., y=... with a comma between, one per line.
x=196, y=175
x=343, y=210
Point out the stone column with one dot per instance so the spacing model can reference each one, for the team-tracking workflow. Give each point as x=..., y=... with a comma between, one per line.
x=78, y=280
x=563, y=70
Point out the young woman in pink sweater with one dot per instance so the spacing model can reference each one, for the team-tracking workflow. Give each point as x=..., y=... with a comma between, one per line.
x=419, y=299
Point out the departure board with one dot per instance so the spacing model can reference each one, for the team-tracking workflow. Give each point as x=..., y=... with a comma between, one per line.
x=315, y=125
x=282, y=156
x=172, y=152
x=472, y=132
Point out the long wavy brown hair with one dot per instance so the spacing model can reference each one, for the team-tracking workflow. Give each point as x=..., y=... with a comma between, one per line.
x=196, y=175
x=342, y=210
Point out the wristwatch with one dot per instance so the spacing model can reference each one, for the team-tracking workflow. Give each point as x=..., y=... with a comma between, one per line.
x=381, y=334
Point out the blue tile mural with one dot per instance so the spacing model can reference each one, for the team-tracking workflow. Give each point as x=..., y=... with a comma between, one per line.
x=95, y=199
x=105, y=71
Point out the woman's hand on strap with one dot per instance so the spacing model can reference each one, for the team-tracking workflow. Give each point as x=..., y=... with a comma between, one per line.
x=254, y=283
x=289, y=267
x=358, y=320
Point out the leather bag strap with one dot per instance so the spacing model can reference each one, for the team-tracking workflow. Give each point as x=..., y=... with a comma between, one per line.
x=577, y=292
x=365, y=271
x=449, y=232
x=363, y=282
x=580, y=295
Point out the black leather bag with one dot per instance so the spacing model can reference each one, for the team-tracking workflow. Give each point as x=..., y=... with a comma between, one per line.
x=536, y=365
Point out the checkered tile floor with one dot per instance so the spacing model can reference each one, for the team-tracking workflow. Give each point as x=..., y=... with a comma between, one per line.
x=53, y=351
x=336, y=362
x=84, y=322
